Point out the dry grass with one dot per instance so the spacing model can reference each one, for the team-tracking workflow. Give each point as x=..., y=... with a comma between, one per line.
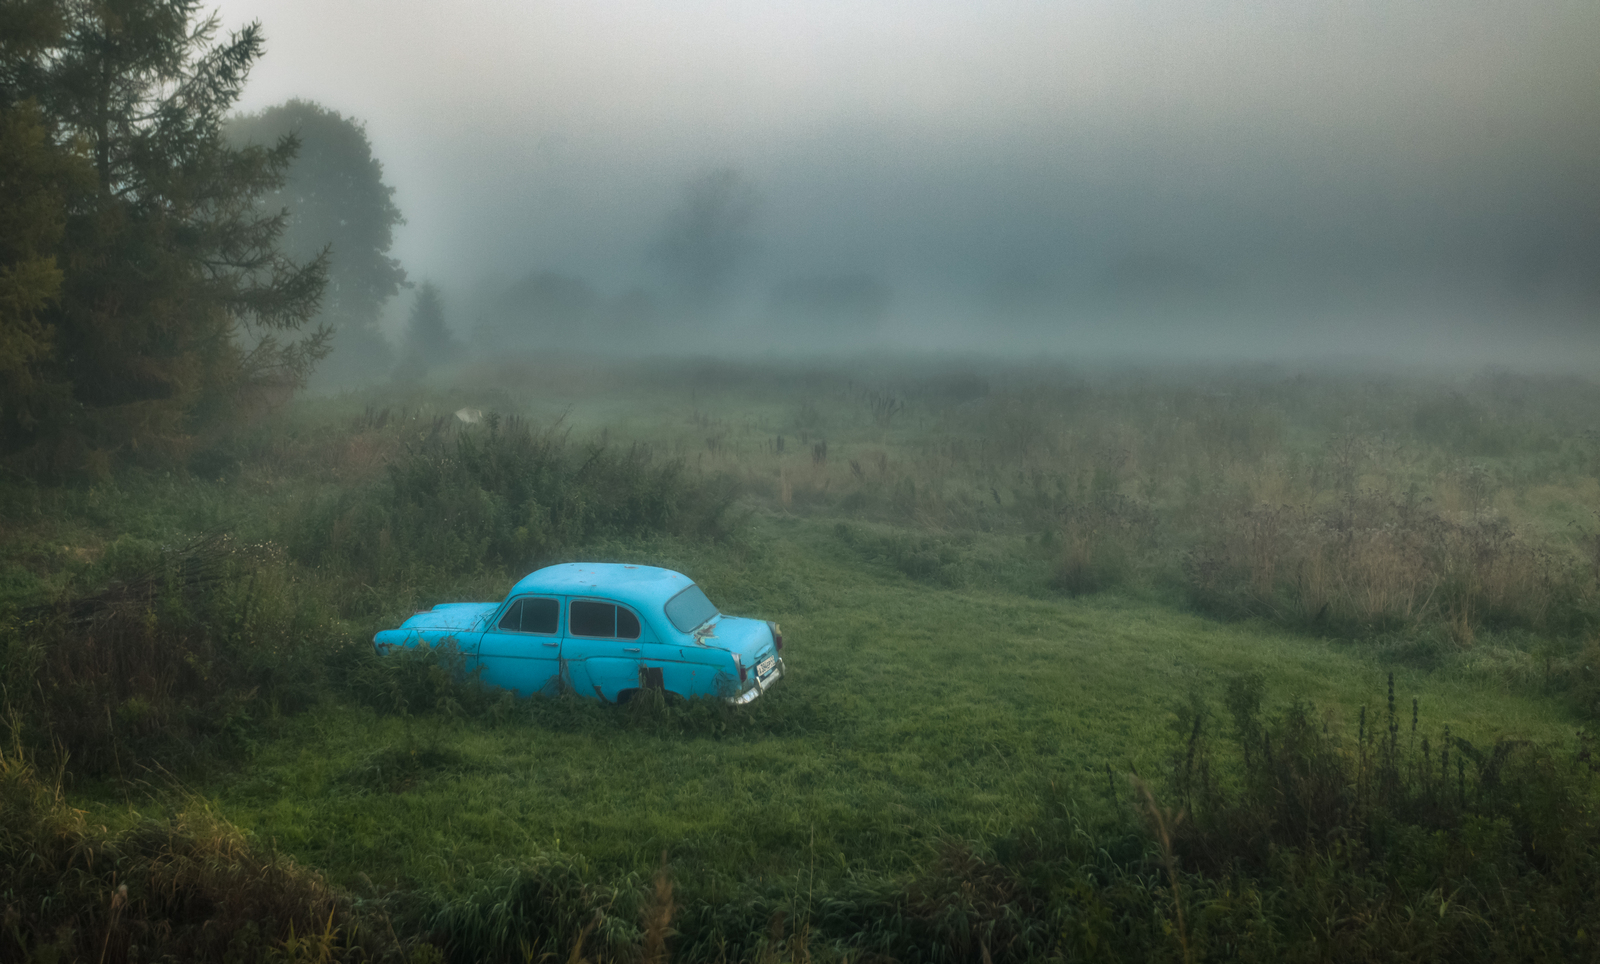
x=188, y=888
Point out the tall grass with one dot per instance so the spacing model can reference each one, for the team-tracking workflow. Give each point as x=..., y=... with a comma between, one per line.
x=179, y=655
x=1361, y=831
x=509, y=496
x=1272, y=836
x=1372, y=563
x=1353, y=503
x=187, y=888
x=1375, y=508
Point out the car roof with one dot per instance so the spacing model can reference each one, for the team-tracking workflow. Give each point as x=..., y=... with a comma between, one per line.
x=640, y=586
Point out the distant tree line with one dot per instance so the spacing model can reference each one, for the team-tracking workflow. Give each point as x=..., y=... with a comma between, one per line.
x=703, y=253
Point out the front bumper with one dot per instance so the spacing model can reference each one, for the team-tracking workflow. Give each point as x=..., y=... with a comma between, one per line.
x=759, y=685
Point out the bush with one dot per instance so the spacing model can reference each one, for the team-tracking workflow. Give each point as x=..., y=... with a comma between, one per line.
x=506, y=496
x=1346, y=837
x=176, y=656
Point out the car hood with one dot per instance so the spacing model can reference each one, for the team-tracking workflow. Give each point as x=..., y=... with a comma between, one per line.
x=459, y=617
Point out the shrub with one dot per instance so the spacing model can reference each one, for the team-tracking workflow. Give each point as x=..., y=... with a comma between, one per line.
x=1370, y=827
x=174, y=657
x=509, y=495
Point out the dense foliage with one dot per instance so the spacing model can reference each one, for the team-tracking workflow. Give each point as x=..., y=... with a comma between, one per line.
x=146, y=299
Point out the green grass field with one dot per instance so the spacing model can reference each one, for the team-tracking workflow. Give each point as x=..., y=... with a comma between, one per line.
x=911, y=714
x=1003, y=605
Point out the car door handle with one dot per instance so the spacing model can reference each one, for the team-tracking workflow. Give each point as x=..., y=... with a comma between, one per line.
x=630, y=649
x=553, y=644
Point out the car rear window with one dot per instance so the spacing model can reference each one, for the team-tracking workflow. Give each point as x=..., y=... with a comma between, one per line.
x=689, y=609
x=531, y=616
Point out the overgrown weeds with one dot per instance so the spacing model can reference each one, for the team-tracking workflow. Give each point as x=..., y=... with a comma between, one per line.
x=178, y=656
x=508, y=495
x=1344, y=503
x=186, y=888
x=1357, y=834
x=1372, y=563
x=1432, y=525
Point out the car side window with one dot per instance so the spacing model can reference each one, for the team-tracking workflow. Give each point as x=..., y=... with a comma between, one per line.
x=600, y=619
x=532, y=615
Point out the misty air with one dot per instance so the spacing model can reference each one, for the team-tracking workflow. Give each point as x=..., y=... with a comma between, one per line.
x=787, y=481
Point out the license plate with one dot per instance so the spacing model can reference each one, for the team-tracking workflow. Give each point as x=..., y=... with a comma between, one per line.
x=765, y=666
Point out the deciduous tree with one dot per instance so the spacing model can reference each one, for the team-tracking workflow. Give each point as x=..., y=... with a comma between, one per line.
x=337, y=201
x=707, y=236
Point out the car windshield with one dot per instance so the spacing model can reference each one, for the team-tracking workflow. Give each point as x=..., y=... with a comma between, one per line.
x=690, y=608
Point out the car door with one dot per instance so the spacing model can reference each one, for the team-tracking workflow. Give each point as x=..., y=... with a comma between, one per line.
x=604, y=646
x=521, y=651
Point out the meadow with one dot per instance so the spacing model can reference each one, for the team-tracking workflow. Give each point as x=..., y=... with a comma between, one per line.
x=1083, y=663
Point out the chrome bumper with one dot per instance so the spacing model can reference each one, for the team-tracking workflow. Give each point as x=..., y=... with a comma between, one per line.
x=759, y=686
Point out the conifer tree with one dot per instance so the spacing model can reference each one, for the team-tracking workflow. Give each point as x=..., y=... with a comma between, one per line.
x=34, y=181
x=174, y=308
x=429, y=342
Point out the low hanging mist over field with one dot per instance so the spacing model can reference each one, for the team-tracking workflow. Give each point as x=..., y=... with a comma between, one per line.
x=1153, y=447
x=1161, y=179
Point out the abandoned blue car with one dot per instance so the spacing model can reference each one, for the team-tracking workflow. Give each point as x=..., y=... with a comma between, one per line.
x=605, y=629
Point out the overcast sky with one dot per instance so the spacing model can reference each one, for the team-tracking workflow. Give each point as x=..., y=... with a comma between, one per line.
x=1403, y=167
